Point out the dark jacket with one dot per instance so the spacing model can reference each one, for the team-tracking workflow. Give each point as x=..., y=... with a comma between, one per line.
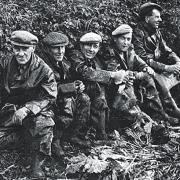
x=34, y=86
x=62, y=73
x=151, y=47
x=131, y=60
x=91, y=71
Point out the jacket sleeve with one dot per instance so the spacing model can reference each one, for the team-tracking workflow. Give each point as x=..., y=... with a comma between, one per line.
x=46, y=93
x=168, y=51
x=139, y=63
x=138, y=41
x=89, y=73
x=66, y=88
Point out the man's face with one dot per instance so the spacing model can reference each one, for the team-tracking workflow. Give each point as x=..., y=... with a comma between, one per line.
x=154, y=20
x=123, y=41
x=23, y=54
x=90, y=49
x=57, y=52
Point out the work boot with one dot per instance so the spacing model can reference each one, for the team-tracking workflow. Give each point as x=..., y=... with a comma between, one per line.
x=37, y=161
x=171, y=107
x=172, y=120
x=101, y=135
x=57, y=149
x=78, y=135
x=156, y=105
x=80, y=142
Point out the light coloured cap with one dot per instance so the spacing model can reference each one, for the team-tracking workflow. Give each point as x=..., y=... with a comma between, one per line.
x=147, y=7
x=56, y=39
x=122, y=29
x=23, y=38
x=91, y=38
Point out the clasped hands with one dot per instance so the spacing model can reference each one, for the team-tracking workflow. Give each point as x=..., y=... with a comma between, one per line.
x=123, y=76
x=173, y=69
x=127, y=77
x=80, y=87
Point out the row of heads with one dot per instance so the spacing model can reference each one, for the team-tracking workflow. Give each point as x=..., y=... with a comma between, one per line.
x=24, y=38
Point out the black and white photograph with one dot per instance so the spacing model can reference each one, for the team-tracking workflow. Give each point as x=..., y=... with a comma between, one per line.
x=89, y=90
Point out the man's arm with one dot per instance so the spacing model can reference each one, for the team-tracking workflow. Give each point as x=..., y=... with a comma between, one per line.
x=89, y=73
x=139, y=46
x=46, y=95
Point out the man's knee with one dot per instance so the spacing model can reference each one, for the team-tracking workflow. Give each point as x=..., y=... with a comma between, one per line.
x=100, y=103
x=82, y=100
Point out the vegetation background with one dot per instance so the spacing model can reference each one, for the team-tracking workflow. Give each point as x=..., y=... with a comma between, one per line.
x=75, y=17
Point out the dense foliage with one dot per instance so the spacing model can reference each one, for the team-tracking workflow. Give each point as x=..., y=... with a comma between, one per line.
x=75, y=17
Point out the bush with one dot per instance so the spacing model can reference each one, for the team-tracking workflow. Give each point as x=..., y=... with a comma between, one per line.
x=75, y=17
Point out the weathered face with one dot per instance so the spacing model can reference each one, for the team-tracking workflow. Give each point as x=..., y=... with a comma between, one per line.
x=90, y=49
x=57, y=52
x=23, y=54
x=154, y=20
x=123, y=41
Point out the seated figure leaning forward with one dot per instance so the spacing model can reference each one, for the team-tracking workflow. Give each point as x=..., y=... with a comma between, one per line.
x=28, y=89
x=72, y=107
x=90, y=68
x=134, y=72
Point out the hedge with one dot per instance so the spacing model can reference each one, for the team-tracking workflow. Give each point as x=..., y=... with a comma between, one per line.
x=75, y=17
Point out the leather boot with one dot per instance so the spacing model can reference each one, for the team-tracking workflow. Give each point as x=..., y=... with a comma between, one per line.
x=101, y=132
x=80, y=142
x=171, y=107
x=57, y=149
x=37, y=161
x=78, y=137
x=172, y=120
x=99, y=117
x=81, y=118
x=156, y=105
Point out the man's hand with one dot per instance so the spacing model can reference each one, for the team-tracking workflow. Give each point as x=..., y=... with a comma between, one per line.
x=139, y=75
x=173, y=68
x=118, y=76
x=80, y=87
x=129, y=79
x=149, y=70
x=18, y=117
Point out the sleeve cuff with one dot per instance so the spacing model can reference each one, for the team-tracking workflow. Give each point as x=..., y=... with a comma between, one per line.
x=33, y=108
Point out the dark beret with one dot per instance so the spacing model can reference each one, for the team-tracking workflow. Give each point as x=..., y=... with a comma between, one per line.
x=23, y=38
x=122, y=29
x=147, y=7
x=56, y=39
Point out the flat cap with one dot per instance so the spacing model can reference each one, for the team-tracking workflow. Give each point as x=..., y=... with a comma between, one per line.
x=91, y=38
x=122, y=29
x=56, y=39
x=23, y=38
x=147, y=7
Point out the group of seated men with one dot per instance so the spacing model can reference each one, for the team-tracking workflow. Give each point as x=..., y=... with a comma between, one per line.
x=45, y=99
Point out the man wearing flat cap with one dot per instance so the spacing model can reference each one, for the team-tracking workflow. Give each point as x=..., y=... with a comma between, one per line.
x=28, y=90
x=90, y=68
x=151, y=47
x=138, y=76
x=72, y=105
